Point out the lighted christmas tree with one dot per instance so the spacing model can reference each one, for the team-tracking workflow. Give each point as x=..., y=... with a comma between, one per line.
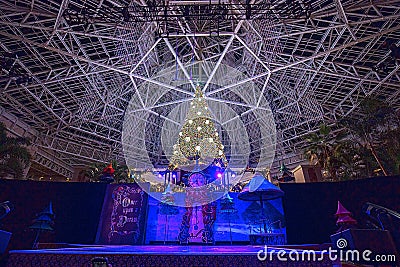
x=199, y=142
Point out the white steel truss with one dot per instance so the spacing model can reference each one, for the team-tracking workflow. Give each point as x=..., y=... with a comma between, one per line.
x=309, y=70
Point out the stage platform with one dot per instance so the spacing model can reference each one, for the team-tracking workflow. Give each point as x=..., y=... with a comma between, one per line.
x=159, y=256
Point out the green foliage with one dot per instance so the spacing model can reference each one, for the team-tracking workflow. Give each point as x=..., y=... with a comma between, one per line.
x=349, y=161
x=322, y=150
x=121, y=174
x=376, y=130
x=339, y=157
x=369, y=143
x=390, y=150
x=95, y=170
x=14, y=156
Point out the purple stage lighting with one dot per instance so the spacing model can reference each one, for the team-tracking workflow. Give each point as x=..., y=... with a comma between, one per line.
x=219, y=175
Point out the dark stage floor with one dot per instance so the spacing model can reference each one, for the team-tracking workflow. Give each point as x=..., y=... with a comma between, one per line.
x=81, y=255
x=155, y=250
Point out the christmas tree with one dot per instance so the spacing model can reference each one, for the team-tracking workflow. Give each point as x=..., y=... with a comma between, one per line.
x=199, y=142
x=44, y=221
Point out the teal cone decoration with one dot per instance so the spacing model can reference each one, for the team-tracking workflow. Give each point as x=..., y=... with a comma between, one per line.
x=286, y=175
x=228, y=212
x=44, y=221
x=227, y=205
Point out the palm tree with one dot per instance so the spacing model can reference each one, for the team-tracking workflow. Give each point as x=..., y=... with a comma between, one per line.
x=374, y=119
x=349, y=161
x=121, y=174
x=94, y=171
x=320, y=150
x=339, y=158
x=14, y=156
x=391, y=145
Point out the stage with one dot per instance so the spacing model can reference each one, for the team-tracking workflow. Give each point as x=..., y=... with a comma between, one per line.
x=162, y=255
x=98, y=215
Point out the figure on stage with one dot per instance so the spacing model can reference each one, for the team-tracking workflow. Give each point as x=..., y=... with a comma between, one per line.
x=198, y=220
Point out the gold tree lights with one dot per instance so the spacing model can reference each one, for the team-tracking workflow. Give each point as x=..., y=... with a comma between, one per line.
x=198, y=139
x=239, y=131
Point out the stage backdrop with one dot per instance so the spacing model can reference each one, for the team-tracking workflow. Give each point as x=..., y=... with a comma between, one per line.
x=310, y=207
x=165, y=228
x=309, y=210
x=123, y=217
